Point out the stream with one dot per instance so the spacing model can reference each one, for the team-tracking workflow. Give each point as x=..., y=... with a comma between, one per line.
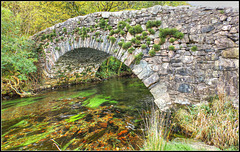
x=93, y=116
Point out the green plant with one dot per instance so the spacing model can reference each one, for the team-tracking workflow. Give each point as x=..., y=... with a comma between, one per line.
x=98, y=40
x=138, y=58
x=138, y=29
x=116, y=31
x=156, y=47
x=171, y=47
x=151, y=31
x=126, y=45
x=109, y=27
x=138, y=37
x=115, y=51
x=111, y=32
x=121, y=25
x=194, y=48
x=143, y=46
x=97, y=34
x=153, y=24
x=64, y=30
x=172, y=40
x=130, y=50
x=163, y=33
x=162, y=41
x=122, y=32
x=120, y=43
x=128, y=20
x=112, y=39
x=152, y=52
x=148, y=42
x=133, y=40
x=148, y=39
x=144, y=33
x=102, y=23
x=43, y=37
x=128, y=26
x=138, y=42
x=221, y=11
x=56, y=40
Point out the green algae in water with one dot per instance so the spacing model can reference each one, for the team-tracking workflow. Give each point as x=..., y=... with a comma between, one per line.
x=75, y=117
x=84, y=93
x=96, y=101
x=19, y=102
x=21, y=123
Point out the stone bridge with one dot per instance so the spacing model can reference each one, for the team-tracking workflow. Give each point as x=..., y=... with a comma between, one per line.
x=176, y=68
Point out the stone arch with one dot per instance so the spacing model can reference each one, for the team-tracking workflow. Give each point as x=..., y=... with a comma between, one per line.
x=180, y=76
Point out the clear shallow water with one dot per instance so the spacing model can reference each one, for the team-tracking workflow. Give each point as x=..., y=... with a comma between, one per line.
x=102, y=116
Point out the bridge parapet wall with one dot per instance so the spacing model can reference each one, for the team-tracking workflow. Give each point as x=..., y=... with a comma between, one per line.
x=172, y=76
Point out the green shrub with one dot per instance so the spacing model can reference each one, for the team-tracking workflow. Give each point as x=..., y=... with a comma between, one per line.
x=120, y=43
x=108, y=37
x=112, y=39
x=111, y=32
x=98, y=40
x=102, y=23
x=138, y=42
x=88, y=29
x=97, y=34
x=162, y=41
x=126, y=45
x=96, y=25
x=122, y=32
x=152, y=52
x=138, y=37
x=149, y=24
x=133, y=40
x=56, y=40
x=61, y=37
x=128, y=26
x=138, y=28
x=163, y=33
x=153, y=24
x=148, y=42
x=43, y=37
x=158, y=23
x=131, y=30
x=156, y=47
x=121, y=25
x=148, y=39
x=194, y=48
x=151, y=31
x=172, y=40
x=144, y=33
x=221, y=11
x=117, y=31
x=109, y=27
x=64, y=30
x=130, y=50
x=143, y=46
x=171, y=47
x=128, y=20
x=115, y=51
x=138, y=58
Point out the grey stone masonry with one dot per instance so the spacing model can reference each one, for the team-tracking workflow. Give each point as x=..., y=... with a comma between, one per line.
x=179, y=76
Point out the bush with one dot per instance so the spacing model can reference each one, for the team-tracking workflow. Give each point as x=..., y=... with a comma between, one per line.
x=97, y=34
x=111, y=32
x=126, y=45
x=120, y=43
x=122, y=32
x=148, y=39
x=130, y=50
x=153, y=24
x=131, y=30
x=133, y=40
x=138, y=42
x=163, y=33
x=64, y=30
x=194, y=48
x=144, y=33
x=162, y=41
x=138, y=58
x=152, y=52
x=138, y=28
x=156, y=47
x=151, y=31
x=121, y=25
x=148, y=42
x=172, y=40
x=138, y=37
x=128, y=26
x=143, y=46
x=109, y=27
x=112, y=39
x=117, y=31
x=216, y=122
x=171, y=47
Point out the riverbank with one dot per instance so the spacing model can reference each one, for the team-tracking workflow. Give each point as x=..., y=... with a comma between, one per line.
x=52, y=84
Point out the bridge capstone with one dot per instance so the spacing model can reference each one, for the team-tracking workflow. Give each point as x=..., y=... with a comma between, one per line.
x=179, y=76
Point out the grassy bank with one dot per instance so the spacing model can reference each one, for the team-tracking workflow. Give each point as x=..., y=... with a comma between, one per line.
x=215, y=124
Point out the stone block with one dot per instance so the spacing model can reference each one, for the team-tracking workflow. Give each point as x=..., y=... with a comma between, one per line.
x=232, y=53
x=151, y=80
x=185, y=88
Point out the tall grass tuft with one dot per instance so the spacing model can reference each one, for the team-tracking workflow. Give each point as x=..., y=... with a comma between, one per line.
x=155, y=131
x=216, y=123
